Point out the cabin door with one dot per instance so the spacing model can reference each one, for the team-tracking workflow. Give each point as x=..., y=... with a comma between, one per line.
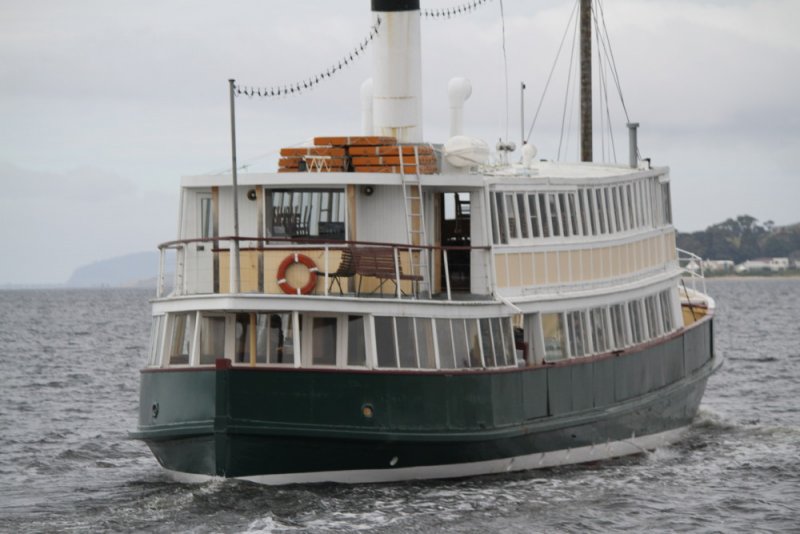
x=455, y=232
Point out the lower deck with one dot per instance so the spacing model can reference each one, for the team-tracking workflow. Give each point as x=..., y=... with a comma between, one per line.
x=259, y=422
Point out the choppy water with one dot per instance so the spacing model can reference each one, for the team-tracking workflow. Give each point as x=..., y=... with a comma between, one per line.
x=68, y=395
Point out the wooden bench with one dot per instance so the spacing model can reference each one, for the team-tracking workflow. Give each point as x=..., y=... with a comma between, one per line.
x=377, y=262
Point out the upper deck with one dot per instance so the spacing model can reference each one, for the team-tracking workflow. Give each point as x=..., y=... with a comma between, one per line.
x=510, y=233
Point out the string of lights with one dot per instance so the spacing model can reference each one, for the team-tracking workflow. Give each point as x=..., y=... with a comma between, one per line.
x=299, y=87
x=453, y=11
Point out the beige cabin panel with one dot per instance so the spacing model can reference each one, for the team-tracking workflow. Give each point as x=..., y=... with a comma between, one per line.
x=526, y=264
x=587, y=271
x=514, y=274
x=539, y=268
x=500, y=263
x=552, y=267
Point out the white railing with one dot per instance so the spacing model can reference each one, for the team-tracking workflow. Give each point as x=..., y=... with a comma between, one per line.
x=692, y=266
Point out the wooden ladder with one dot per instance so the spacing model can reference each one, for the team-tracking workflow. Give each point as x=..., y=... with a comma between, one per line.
x=415, y=223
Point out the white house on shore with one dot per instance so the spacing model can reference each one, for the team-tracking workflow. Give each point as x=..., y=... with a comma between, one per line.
x=763, y=265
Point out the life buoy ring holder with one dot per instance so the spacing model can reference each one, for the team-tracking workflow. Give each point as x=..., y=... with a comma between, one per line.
x=287, y=262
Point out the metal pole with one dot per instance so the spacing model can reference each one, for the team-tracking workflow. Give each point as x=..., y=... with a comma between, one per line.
x=586, y=80
x=522, y=113
x=633, y=145
x=235, y=259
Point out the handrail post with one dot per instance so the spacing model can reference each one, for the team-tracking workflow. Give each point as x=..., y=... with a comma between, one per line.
x=396, y=272
x=446, y=273
x=327, y=268
x=160, y=286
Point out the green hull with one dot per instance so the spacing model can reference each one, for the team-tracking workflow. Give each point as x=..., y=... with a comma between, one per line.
x=246, y=422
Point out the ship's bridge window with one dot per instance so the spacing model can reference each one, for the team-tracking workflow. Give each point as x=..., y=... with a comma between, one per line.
x=156, y=339
x=306, y=213
x=212, y=338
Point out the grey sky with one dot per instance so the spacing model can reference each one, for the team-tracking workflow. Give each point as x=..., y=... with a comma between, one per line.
x=105, y=104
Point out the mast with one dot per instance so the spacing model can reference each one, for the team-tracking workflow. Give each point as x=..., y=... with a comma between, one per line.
x=586, y=80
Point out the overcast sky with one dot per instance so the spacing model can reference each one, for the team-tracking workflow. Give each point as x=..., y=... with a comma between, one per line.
x=105, y=104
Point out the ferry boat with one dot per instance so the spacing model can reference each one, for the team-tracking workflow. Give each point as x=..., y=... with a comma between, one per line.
x=383, y=308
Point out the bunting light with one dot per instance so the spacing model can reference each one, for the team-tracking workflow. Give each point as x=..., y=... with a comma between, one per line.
x=450, y=12
x=309, y=83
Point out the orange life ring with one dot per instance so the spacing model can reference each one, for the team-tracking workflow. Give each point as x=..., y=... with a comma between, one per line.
x=289, y=260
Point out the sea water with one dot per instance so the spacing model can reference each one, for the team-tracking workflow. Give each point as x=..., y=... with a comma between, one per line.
x=69, y=362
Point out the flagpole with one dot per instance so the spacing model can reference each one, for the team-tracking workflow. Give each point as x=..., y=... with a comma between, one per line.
x=234, y=280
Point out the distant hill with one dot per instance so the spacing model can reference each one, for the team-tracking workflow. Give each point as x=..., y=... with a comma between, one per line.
x=132, y=270
x=743, y=238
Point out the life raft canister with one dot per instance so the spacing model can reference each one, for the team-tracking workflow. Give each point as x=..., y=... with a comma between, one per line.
x=290, y=260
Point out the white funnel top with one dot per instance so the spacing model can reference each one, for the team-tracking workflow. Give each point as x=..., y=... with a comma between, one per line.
x=397, y=78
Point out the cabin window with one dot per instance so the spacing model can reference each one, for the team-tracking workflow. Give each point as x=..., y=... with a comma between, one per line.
x=499, y=342
x=574, y=214
x=500, y=219
x=666, y=311
x=566, y=229
x=474, y=342
x=425, y=346
x=182, y=333
x=460, y=344
x=555, y=341
x=617, y=207
x=323, y=340
x=635, y=315
x=618, y=329
x=407, y=351
x=306, y=213
x=606, y=194
x=280, y=338
x=545, y=215
x=384, y=340
x=601, y=210
x=444, y=338
x=554, y=216
x=486, y=343
x=533, y=211
x=629, y=201
x=577, y=333
x=651, y=313
x=212, y=338
x=666, y=204
x=356, y=347
x=599, y=334
x=522, y=217
x=511, y=212
x=242, y=335
x=156, y=339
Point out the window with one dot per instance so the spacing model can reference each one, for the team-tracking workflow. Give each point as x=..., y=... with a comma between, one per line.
x=206, y=219
x=384, y=339
x=606, y=193
x=407, y=351
x=585, y=214
x=460, y=343
x=601, y=210
x=574, y=215
x=523, y=220
x=651, y=313
x=182, y=333
x=617, y=206
x=566, y=228
x=666, y=204
x=323, y=340
x=474, y=343
x=500, y=220
x=533, y=210
x=306, y=213
x=599, y=336
x=555, y=216
x=666, y=311
x=629, y=201
x=243, y=333
x=511, y=212
x=356, y=349
x=499, y=342
x=212, y=338
x=577, y=333
x=486, y=343
x=635, y=313
x=425, y=347
x=554, y=339
x=545, y=215
x=156, y=338
x=444, y=338
x=618, y=329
